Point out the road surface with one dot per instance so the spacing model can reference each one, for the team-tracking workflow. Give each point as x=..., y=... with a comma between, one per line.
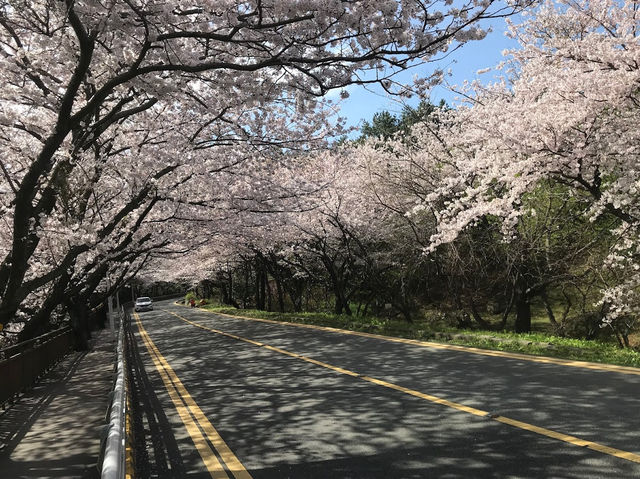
x=215, y=396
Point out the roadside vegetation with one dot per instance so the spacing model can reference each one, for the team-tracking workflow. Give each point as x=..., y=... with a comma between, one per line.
x=548, y=277
x=436, y=329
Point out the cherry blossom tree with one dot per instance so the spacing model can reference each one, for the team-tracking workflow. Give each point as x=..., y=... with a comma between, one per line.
x=110, y=109
x=565, y=112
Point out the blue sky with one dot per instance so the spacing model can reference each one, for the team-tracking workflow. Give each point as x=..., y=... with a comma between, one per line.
x=362, y=104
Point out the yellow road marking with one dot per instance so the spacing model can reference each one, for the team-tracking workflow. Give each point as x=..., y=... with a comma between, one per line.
x=188, y=411
x=451, y=347
x=629, y=456
x=428, y=397
x=208, y=457
x=576, y=441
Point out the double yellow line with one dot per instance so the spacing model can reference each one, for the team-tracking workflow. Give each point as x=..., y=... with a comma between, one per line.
x=209, y=444
x=576, y=441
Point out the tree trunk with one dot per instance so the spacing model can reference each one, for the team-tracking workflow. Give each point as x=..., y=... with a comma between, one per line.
x=225, y=293
x=296, y=292
x=80, y=324
x=567, y=306
x=339, y=303
x=406, y=312
x=246, y=286
x=523, y=314
x=476, y=315
x=269, y=298
x=346, y=307
x=280, y=293
x=226, y=297
x=101, y=317
x=547, y=307
x=507, y=310
x=230, y=280
x=260, y=286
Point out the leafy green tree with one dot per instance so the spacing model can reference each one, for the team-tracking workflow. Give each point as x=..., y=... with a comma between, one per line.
x=383, y=125
x=425, y=109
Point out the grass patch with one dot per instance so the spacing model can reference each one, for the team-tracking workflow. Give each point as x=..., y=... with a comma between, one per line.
x=539, y=344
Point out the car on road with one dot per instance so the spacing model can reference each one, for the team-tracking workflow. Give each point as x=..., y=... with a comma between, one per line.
x=144, y=303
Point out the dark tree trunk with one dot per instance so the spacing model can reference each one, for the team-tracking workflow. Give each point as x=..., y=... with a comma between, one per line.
x=523, y=314
x=476, y=315
x=406, y=312
x=207, y=288
x=260, y=286
x=547, y=307
x=80, y=324
x=230, y=281
x=280, y=293
x=269, y=297
x=101, y=317
x=337, y=284
x=270, y=264
x=226, y=297
x=567, y=306
x=341, y=303
x=225, y=293
x=507, y=310
x=295, y=294
x=246, y=286
x=338, y=305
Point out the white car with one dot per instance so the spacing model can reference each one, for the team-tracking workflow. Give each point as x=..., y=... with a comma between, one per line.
x=144, y=303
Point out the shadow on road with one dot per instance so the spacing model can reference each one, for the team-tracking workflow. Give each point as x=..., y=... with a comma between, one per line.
x=156, y=450
x=285, y=418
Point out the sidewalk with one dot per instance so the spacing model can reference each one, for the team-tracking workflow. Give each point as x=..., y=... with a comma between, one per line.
x=54, y=430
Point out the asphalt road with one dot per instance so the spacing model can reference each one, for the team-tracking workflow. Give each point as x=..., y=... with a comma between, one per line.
x=220, y=397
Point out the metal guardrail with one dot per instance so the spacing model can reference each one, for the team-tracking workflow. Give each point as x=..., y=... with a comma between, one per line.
x=113, y=459
x=22, y=364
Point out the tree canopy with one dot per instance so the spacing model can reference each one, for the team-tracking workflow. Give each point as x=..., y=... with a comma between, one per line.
x=166, y=141
x=119, y=116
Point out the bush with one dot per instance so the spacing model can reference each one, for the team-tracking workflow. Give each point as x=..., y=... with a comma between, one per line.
x=582, y=326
